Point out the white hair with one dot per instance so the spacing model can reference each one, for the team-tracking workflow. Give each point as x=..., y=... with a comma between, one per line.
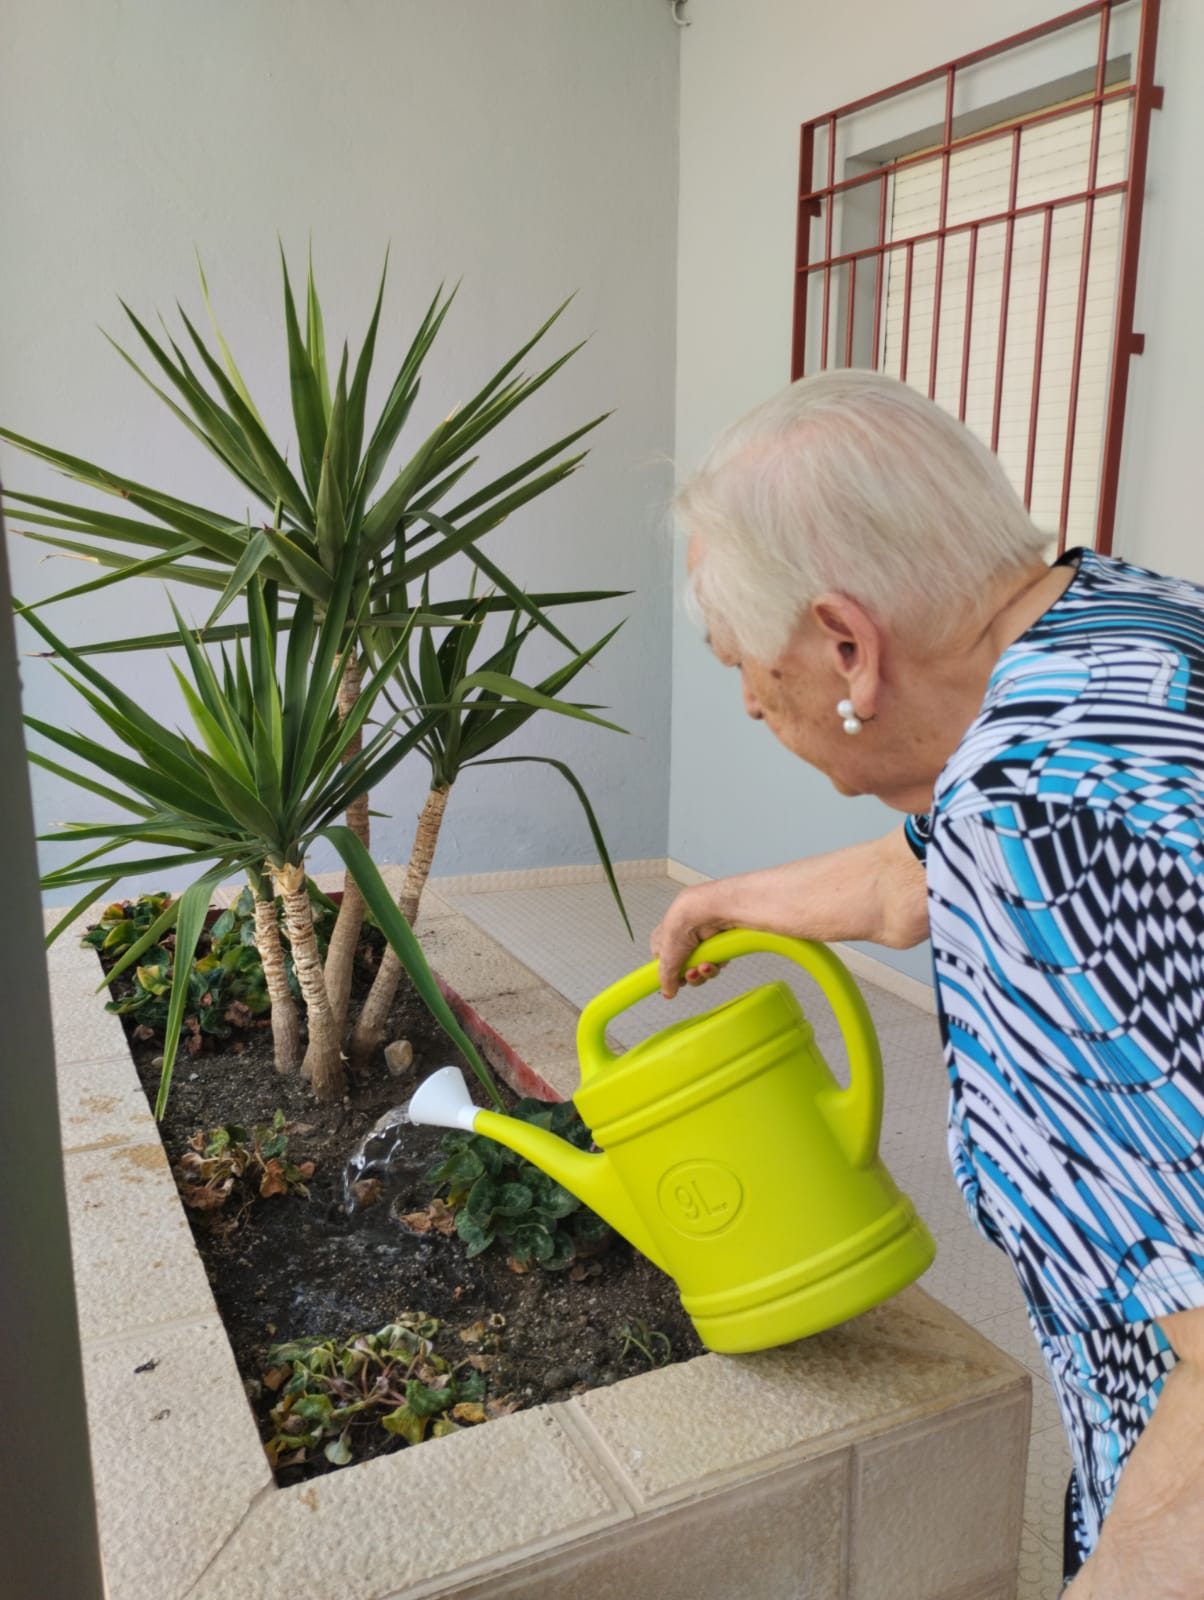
x=853, y=483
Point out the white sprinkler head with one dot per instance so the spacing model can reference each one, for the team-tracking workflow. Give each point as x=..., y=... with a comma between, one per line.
x=443, y=1101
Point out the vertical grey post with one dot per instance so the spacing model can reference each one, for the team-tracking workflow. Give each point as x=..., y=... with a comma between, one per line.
x=50, y=1544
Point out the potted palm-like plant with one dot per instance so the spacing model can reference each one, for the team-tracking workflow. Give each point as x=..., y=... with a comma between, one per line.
x=476, y=708
x=263, y=776
x=330, y=528
x=331, y=531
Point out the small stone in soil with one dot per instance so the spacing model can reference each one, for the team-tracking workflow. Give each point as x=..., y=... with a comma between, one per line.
x=399, y=1057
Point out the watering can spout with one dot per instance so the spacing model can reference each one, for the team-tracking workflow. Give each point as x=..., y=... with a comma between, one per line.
x=443, y=1101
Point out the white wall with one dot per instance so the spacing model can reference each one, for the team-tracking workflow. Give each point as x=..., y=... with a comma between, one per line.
x=751, y=75
x=528, y=148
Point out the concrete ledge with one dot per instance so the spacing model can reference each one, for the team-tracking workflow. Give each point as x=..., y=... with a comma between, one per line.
x=883, y=1460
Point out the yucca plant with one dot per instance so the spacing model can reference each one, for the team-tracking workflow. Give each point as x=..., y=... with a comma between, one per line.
x=325, y=525
x=478, y=708
x=262, y=776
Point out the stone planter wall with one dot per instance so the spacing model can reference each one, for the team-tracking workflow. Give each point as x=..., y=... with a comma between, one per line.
x=883, y=1460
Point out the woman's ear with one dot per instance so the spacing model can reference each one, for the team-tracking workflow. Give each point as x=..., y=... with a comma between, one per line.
x=852, y=644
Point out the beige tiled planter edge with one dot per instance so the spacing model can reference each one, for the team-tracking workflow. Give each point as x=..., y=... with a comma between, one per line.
x=881, y=1461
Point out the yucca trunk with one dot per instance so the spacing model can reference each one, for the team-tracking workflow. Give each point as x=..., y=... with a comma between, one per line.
x=369, y=1035
x=324, y=1058
x=344, y=941
x=286, y=1028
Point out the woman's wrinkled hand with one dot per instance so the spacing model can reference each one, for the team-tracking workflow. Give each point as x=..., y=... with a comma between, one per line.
x=688, y=921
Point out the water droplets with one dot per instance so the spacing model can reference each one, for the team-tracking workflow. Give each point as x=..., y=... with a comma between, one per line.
x=375, y=1153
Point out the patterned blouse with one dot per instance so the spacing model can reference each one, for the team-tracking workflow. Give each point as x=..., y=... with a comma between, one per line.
x=1065, y=865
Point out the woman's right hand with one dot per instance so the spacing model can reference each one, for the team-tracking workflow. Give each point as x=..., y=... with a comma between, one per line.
x=689, y=920
x=876, y=891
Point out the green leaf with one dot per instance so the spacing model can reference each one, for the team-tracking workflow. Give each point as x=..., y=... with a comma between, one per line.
x=127, y=568
x=591, y=819
x=332, y=484
x=516, y=475
x=500, y=684
x=512, y=1200
x=258, y=551
x=555, y=1201
x=400, y=399
x=268, y=459
x=531, y=1241
x=157, y=786
x=405, y=946
x=305, y=572
x=403, y=1422
x=225, y=752
x=339, y=1451
x=475, y=405
x=315, y=337
x=426, y=1402
x=147, y=941
x=221, y=538
x=82, y=781
x=477, y=1239
x=194, y=903
x=309, y=413
x=358, y=393
x=296, y=679
x=81, y=905
x=235, y=375
x=213, y=427
x=521, y=601
x=380, y=523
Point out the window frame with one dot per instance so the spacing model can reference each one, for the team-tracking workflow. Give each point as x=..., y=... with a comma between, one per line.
x=818, y=201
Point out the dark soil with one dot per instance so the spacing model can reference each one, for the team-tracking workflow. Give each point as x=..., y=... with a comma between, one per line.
x=286, y=1268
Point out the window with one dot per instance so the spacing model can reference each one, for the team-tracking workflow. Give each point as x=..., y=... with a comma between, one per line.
x=977, y=236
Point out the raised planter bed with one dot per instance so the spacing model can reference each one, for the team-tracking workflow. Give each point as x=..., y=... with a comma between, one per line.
x=883, y=1460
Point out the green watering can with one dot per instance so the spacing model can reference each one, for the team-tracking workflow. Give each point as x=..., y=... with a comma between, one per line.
x=728, y=1153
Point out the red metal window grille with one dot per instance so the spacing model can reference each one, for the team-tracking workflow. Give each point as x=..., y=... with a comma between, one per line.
x=974, y=230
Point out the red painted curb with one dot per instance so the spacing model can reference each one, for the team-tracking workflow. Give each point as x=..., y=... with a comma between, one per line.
x=521, y=1077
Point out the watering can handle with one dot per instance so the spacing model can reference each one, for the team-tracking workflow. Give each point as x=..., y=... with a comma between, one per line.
x=855, y=1113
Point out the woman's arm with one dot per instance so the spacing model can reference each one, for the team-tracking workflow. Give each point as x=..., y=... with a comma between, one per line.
x=874, y=891
x=1152, y=1542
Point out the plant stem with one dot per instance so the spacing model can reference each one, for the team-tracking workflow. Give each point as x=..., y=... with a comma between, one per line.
x=286, y=1028
x=324, y=1056
x=369, y=1035
x=344, y=941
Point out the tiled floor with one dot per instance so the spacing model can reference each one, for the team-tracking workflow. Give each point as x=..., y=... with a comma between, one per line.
x=573, y=937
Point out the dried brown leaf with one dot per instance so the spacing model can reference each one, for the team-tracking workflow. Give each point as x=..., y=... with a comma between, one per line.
x=434, y=1218
x=469, y=1411
x=274, y=1377
x=365, y=1192
x=502, y=1408
x=273, y=1181
x=202, y=1197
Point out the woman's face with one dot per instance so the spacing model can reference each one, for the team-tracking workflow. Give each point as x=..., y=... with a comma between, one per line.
x=796, y=698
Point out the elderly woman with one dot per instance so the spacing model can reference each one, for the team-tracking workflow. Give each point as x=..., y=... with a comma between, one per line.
x=860, y=559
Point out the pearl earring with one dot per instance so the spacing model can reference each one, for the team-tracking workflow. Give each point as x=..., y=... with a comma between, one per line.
x=852, y=722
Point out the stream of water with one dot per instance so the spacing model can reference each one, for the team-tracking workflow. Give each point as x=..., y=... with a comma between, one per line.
x=375, y=1153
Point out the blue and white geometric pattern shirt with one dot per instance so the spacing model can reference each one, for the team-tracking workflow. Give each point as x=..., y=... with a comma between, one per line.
x=1065, y=866
x=1065, y=872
